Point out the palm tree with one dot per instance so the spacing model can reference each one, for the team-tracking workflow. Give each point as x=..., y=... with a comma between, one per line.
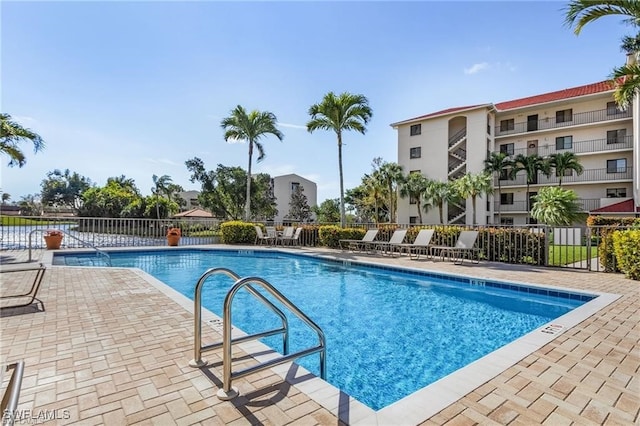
x=160, y=185
x=414, y=186
x=5, y=197
x=474, y=185
x=563, y=162
x=437, y=193
x=251, y=128
x=497, y=163
x=12, y=133
x=340, y=113
x=582, y=12
x=531, y=164
x=556, y=206
x=391, y=176
x=375, y=192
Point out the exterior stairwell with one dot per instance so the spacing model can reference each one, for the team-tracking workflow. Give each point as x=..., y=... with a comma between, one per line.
x=455, y=213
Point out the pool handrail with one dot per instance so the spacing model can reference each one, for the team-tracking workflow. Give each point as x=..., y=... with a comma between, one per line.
x=228, y=392
x=73, y=237
x=197, y=360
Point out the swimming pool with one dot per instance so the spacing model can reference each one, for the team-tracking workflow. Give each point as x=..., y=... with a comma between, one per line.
x=389, y=332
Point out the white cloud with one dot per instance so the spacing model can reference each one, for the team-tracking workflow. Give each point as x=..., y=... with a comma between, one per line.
x=292, y=126
x=476, y=68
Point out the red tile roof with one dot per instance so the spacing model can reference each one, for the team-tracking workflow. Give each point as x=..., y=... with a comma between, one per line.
x=621, y=207
x=442, y=112
x=589, y=89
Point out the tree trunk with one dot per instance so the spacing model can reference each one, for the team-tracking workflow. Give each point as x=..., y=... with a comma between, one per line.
x=473, y=209
x=247, y=204
x=500, y=203
x=343, y=219
x=441, y=208
x=419, y=210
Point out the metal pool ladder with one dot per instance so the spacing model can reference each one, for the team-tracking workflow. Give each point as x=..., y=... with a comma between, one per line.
x=228, y=392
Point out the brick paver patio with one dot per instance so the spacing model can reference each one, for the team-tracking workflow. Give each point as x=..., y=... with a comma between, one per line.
x=111, y=348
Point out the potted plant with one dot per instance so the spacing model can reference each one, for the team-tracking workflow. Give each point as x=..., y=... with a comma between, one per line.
x=173, y=236
x=53, y=238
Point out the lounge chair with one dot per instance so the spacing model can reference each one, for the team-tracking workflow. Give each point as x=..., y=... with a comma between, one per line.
x=33, y=272
x=464, y=246
x=286, y=235
x=359, y=244
x=387, y=246
x=294, y=239
x=261, y=238
x=420, y=245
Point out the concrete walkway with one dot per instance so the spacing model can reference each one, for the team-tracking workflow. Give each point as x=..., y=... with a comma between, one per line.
x=111, y=347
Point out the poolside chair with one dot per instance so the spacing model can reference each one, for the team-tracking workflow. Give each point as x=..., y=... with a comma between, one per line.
x=387, y=246
x=261, y=238
x=31, y=275
x=271, y=231
x=294, y=239
x=420, y=245
x=464, y=247
x=286, y=235
x=354, y=245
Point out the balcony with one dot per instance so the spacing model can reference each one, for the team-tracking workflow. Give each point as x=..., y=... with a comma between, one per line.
x=591, y=175
x=576, y=119
x=587, y=205
x=580, y=147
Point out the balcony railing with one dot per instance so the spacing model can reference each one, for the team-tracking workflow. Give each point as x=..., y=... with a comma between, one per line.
x=591, y=175
x=586, y=205
x=576, y=119
x=579, y=147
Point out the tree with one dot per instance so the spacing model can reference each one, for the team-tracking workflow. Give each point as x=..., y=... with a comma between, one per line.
x=160, y=187
x=531, y=165
x=391, y=175
x=30, y=205
x=118, y=198
x=155, y=207
x=626, y=78
x=298, y=206
x=11, y=134
x=328, y=211
x=5, y=197
x=414, y=186
x=556, y=206
x=340, y=113
x=497, y=163
x=474, y=185
x=563, y=162
x=438, y=193
x=64, y=189
x=251, y=128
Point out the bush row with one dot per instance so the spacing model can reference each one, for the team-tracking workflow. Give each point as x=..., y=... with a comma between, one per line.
x=626, y=245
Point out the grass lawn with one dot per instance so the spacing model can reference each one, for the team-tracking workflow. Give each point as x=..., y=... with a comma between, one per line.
x=563, y=255
x=22, y=221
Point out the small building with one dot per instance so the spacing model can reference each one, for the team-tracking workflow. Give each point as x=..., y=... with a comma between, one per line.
x=285, y=185
x=191, y=198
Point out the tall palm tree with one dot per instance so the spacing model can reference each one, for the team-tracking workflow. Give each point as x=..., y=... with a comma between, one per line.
x=392, y=176
x=375, y=192
x=5, y=197
x=556, y=206
x=160, y=185
x=531, y=165
x=438, y=193
x=414, y=186
x=563, y=162
x=579, y=13
x=250, y=127
x=473, y=186
x=11, y=134
x=340, y=113
x=496, y=164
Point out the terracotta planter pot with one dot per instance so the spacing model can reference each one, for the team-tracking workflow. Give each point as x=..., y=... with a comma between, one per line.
x=173, y=240
x=53, y=242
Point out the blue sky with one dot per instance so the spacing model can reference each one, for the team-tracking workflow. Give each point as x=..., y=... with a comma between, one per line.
x=137, y=88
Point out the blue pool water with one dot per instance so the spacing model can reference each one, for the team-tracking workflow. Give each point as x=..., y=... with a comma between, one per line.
x=389, y=332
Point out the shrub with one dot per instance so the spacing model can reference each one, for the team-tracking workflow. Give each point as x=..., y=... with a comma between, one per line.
x=330, y=235
x=605, y=221
x=238, y=232
x=627, y=249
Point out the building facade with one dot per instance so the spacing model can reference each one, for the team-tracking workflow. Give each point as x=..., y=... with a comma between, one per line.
x=284, y=186
x=583, y=120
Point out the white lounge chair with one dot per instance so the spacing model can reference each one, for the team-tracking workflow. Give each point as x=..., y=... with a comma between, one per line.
x=294, y=239
x=420, y=245
x=286, y=235
x=387, y=246
x=354, y=245
x=464, y=247
x=261, y=238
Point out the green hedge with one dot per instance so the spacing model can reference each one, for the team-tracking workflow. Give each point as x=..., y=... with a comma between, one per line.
x=330, y=235
x=627, y=249
x=238, y=232
x=606, y=221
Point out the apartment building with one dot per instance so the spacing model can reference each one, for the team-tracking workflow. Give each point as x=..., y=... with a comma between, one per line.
x=285, y=185
x=445, y=145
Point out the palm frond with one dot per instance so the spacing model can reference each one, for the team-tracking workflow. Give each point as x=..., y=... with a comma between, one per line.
x=582, y=12
x=627, y=82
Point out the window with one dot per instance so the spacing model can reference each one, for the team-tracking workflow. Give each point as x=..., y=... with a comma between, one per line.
x=506, y=221
x=613, y=109
x=564, y=142
x=504, y=174
x=294, y=187
x=616, y=136
x=415, y=129
x=413, y=220
x=507, y=148
x=564, y=116
x=415, y=152
x=507, y=125
x=616, y=192
x=506, y=198
x=413, y=200
x=415, y=171
x=617, y=166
